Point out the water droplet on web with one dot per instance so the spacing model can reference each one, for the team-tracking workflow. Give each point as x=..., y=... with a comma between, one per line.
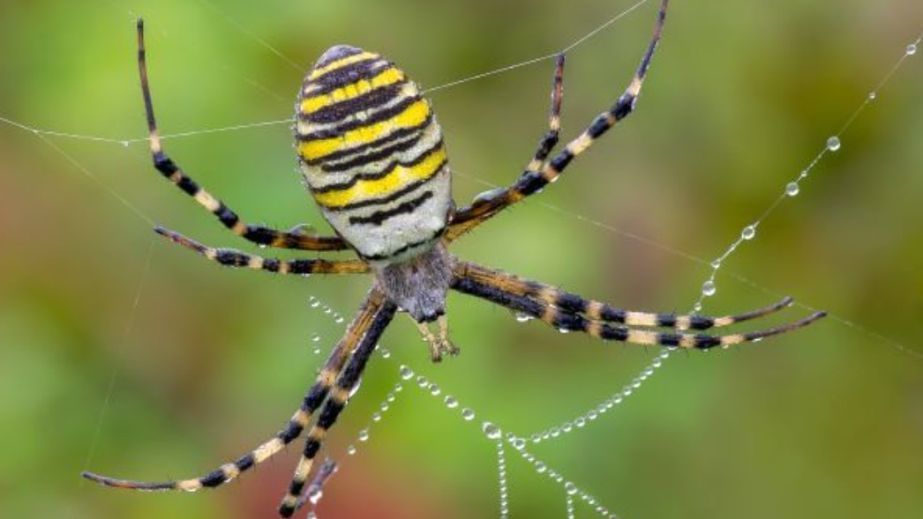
x=697, y=307
x=911, y=49
x=421, y=381
x=317, y=351
x=715, y=264
x=580, y=422
x=792, y=188
x=708, y=288
x=384, y=407
x=376, y=416
x=518, y=443
x=833, y=143
x=315, y=303
x=570, y=488
x=434, y=390
x=351, y=450
x=563, y=330
x=491, y=431
x=125, y=143
x=315, y=338
x=523, y=317
x=451, y=402
x=364, y=435
x=315, y=496
x=540, y=467
x=340, y=320
x=873, y=95
x=467, y=414
x=748, y=233
x=385, y=354
x=406, y=373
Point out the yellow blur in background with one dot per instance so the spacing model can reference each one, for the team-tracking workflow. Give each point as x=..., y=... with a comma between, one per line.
x=123, y=354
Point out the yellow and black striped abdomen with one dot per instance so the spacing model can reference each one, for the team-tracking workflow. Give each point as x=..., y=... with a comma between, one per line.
x=372, y=154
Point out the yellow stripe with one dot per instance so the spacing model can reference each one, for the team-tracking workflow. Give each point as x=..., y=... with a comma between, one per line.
x=340, y=63
x=414, y=115
x=397, y=179
x=353, y=90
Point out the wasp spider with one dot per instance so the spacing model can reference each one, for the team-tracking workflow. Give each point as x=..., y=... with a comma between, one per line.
x=373, y=158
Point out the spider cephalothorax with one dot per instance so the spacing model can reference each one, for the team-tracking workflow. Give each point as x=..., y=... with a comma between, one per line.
x=373, y=158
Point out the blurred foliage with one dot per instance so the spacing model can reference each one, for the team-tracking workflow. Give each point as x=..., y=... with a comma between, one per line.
x=823, y=423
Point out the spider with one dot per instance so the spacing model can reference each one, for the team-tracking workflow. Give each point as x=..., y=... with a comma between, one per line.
x=373, y=158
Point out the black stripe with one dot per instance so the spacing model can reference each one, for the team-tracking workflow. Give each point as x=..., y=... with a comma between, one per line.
x=381, y=115
x=292, y=430
x=343, y=109
x=519, y=303
x=530, y=182
x=614, y=333
x=378, y=217
x=666, y=320
x=570, y=302
x=335, y=53
x=379, y=174
x=391, y=137
x=599, y=126
x=562, y=160
x=382, y=153
x=335, y=79
x=213, y=479
x=697, y=322
x=245, y=462
x=704, y=342
x=393, y=196
x=609, y=313
x=623, y=107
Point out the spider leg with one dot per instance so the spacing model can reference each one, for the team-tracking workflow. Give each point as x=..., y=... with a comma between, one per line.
x=334, y=366
x=470, y=217
x=235, y=258
x=533, y=180
x=567, y=320
x=169, y=169
x=345, y=385
x=600, y=311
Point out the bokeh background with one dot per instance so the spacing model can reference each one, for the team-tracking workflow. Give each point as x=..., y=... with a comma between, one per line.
x=126, y=355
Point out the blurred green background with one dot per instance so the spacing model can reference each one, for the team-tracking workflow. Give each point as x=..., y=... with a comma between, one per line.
x=827, y=422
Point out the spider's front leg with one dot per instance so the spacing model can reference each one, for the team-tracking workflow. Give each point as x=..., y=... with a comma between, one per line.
x=541, y=172
x=297, y=238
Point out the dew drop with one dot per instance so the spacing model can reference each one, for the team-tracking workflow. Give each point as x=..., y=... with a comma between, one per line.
x=317, y=351
x=563, y=330
x=467, y=414
x=580, y=422
x=434, y=390
x=315, y=338
x=555, y=432
x=708, y=288
x=697, y=307
x=340, y=320
x=523, y=317
x=315, y=303
x=406, y=373
x=451, y=402
x=364, y=435
x=518, y=443
x=125, y=143
x=873, y=95
x=748, y=233
x=792, y=189
x=491, y=431
x=376, y=416
x=911, y=49
x=422, y=382
x=715, y=264
x=540, y=467
x=833, y=143
x=570, y=488
x=385, y=354
x=567, y=427
x=535, y=438
x=384, y=407
x=351, y=450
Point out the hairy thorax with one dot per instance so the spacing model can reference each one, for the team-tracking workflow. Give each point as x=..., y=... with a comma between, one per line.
x=419, y=284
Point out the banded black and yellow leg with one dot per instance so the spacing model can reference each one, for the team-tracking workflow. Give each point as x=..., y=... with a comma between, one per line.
x=532, y=181
x=600, y=311
x=336, y=401
x=235, y=258
x=315, y=396
x=569, y=321
x=483, y=206
x=169, y=169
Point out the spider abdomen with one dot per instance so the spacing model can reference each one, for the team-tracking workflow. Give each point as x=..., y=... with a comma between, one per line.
x=372, y=155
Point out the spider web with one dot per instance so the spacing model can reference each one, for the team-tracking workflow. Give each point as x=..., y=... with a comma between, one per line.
x=508, y=440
